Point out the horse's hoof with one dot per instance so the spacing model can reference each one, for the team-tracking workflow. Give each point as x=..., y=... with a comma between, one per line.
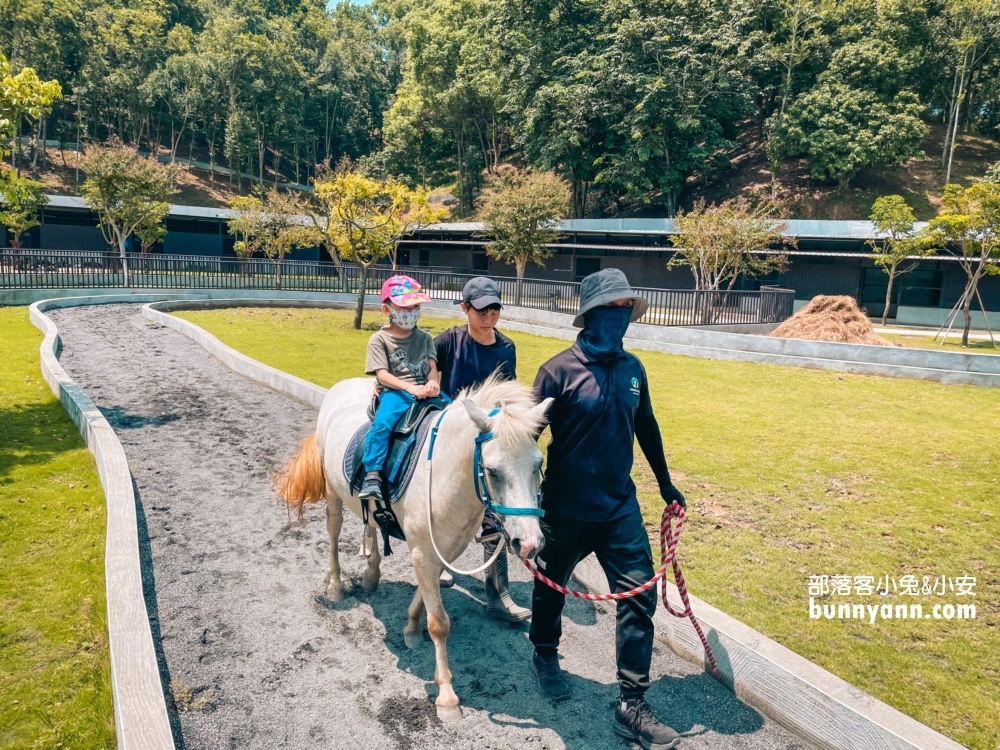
x=370, y=586
x=450, y=714
x=412, y=640
x=335, y=594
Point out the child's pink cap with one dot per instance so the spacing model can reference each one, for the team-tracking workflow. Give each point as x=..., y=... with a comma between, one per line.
x=403, y=291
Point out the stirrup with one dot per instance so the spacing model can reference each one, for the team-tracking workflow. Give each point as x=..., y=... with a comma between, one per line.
x=491, y=537
x=367, y=541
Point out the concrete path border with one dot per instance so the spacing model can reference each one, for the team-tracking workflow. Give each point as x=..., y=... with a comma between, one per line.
x=141, y=720
x=786, y=687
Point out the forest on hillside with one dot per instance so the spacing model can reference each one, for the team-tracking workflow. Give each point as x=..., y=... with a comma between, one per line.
x=638, y=104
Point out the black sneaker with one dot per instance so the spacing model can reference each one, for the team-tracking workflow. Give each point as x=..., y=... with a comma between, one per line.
x=372, y=487
x=634, y=719
x=551, y=679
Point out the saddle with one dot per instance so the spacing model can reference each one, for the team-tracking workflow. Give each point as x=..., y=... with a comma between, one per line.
x=404, y=442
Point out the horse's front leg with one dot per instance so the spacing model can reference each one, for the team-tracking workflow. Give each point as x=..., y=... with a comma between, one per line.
x=438, y=625
x=334, y=523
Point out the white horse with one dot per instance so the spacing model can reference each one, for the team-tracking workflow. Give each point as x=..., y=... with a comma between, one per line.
x=511, y=462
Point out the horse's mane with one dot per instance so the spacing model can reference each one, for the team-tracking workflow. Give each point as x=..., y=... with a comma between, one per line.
x=513, y=423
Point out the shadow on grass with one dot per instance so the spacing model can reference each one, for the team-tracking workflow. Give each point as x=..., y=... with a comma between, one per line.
x=490, y=661
x=26, y=439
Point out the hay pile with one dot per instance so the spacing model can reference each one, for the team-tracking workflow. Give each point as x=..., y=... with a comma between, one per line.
x=828, y=318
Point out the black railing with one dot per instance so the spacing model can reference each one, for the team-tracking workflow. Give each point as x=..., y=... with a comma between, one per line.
x=50, y=269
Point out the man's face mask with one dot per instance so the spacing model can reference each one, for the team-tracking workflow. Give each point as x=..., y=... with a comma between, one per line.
x=405, y=319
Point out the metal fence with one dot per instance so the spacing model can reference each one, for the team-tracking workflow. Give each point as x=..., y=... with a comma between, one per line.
x=41, y=269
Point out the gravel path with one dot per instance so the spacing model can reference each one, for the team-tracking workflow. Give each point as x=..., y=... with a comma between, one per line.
x=253, y=656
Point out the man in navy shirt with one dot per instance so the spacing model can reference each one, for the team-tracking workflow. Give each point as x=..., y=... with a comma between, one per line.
x=468, y=355
x=601, y=406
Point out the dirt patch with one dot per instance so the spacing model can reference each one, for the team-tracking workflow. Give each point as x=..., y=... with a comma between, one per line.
x=831, y=318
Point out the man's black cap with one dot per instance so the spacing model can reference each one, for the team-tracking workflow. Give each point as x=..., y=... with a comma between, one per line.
x=480, y=292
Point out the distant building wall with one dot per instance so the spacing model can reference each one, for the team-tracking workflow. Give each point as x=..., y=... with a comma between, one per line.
x=189, y=243
x=70, y=237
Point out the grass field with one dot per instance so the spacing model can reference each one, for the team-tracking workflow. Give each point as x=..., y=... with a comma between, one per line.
x=791, y=473
x=55, y=682
x=953, y=344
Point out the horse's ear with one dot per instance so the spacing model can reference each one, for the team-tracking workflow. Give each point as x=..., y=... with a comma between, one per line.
x=478, y=416
x=537, y=412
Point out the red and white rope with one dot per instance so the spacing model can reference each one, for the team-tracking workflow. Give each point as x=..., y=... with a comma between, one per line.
x=669, y=537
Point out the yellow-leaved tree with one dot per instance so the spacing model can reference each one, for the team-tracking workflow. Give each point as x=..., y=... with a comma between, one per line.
x=360, y=219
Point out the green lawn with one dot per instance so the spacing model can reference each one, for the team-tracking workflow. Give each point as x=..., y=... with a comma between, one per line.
x=55, y=681
x=790, y=473
x=953, y=344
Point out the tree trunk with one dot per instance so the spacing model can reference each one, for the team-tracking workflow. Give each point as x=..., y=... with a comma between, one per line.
x=360, y=307
x=888, y=294
x=947, y=122
x=122, y=250
x=967, y=316
x=520, y=264
x=954, y=124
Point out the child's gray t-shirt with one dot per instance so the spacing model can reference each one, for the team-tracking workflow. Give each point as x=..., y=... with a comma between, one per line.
x=404, y=358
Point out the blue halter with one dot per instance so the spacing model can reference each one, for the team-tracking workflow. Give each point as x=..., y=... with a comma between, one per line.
x=479, y=473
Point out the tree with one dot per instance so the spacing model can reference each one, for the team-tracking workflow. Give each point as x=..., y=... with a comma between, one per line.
x=247, y=224
x=893, y=218
x=282, y=229
x=519, y=210
x=362, y=218
x=21, y=201
x=970, y=27
x=128, y=191
x=840, y=130
x=24, y=96
x=968, y=227
x=151, y=230
x=721, y=243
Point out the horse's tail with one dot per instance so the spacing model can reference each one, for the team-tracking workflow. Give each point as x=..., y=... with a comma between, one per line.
x=303, y=479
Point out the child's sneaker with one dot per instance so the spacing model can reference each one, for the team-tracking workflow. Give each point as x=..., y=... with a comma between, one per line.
x=372, y=487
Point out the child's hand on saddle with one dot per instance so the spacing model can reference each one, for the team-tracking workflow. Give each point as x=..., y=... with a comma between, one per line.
x=418, y=391
x=433, y=388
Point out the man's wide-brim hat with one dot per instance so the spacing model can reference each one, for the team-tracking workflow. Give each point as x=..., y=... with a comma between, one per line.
x=403, y=291
x=605, y=287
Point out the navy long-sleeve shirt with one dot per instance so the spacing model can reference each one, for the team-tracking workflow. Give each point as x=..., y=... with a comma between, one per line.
x=598, y=412
x=464, y=362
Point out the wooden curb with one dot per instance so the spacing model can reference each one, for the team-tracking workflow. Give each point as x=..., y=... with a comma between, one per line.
x=141, y=721
x=788, y=688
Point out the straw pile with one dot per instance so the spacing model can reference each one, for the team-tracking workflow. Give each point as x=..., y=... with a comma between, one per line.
x=829, y=318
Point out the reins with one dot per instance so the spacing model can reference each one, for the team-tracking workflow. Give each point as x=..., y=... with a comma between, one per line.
x=476, y=472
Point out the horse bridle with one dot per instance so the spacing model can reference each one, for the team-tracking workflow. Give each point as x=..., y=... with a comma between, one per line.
x=479, y=479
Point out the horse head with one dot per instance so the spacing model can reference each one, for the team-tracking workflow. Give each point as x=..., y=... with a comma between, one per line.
x=508, y=459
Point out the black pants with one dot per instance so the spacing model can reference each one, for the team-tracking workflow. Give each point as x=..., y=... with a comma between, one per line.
x=622, y=548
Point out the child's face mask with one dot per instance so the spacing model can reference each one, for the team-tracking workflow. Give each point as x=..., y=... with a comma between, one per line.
x=405, y=319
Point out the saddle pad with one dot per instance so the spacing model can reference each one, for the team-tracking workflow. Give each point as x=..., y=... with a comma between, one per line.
x=399, y=465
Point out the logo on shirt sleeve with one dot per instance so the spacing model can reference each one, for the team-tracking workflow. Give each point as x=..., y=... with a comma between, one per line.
x=635, y=387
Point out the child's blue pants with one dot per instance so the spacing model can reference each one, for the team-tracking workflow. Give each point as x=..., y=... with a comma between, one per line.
x=392, y=405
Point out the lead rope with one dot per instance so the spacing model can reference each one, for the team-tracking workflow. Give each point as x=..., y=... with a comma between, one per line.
x=668, y=556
